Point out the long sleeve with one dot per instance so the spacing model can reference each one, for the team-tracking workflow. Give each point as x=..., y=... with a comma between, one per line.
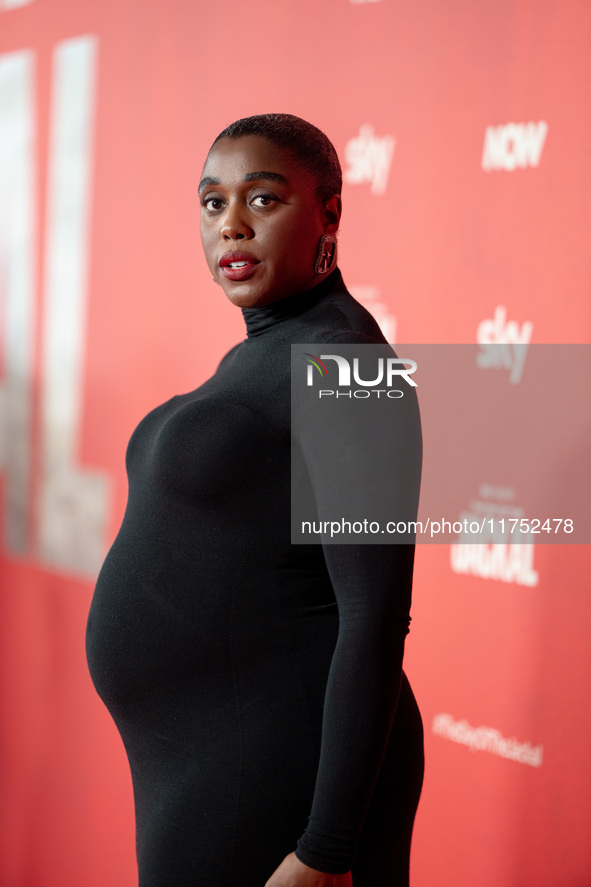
x=372, y=585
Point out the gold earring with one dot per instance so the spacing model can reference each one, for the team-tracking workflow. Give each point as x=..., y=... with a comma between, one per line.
x=326, y=254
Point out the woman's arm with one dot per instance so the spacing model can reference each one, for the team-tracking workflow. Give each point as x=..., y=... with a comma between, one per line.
x=372, y=584
x=349, y=470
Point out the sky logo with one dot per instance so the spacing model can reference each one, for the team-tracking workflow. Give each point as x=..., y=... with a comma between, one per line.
x=369, y=158
x=505, y=344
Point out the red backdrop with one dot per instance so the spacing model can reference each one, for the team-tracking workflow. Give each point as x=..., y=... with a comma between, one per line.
x=465, y=138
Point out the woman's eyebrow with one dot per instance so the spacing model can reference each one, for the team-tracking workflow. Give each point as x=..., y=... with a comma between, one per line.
x=208, y=180
x=270, y=176
x=262, y=175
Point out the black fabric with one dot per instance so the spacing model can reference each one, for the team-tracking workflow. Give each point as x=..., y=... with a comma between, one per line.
x=257, y=685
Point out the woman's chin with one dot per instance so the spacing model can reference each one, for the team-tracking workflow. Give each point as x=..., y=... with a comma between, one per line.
x=242, y=299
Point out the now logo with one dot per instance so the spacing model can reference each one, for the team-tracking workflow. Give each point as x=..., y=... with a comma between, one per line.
x=513, y=146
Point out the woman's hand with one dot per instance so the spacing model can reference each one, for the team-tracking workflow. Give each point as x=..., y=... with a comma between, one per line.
x=293, y=873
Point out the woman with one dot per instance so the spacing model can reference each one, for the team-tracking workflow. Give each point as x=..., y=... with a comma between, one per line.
x=257, y=685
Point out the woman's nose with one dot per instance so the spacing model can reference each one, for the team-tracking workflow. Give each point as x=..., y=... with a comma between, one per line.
x=235, y=226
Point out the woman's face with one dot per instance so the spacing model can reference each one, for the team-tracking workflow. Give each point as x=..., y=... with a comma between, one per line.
x=261, y=221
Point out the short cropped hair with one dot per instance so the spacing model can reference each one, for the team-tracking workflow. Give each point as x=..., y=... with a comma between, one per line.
x=305, y=142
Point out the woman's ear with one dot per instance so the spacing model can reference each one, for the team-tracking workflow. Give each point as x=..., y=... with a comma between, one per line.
x=332, y=214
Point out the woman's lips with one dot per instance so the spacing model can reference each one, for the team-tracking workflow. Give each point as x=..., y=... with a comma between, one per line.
x=241, y=273
x=238, y=266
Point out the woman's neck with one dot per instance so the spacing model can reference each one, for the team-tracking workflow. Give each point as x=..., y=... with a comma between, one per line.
x=259, y=320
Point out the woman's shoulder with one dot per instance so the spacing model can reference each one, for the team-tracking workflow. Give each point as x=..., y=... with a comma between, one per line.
x=340, y=318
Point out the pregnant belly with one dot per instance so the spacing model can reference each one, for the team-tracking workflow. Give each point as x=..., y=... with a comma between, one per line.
x=167, y=614
x=158, y=614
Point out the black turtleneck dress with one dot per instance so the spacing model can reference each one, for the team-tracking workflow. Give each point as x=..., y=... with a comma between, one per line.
x=257, y=685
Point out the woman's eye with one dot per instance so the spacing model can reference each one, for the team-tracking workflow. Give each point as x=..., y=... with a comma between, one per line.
x=211, y=204
x=263, y=200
